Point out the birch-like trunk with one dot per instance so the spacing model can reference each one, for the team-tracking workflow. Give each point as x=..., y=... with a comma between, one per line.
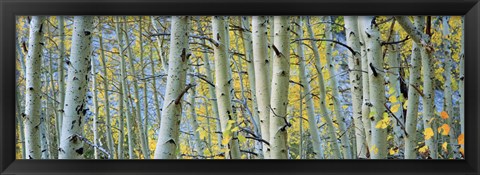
x=423, y=40
x=248, y=48
x=354, y=66
x=448, y=92
x=322, y=93
x=367, y=124
x=393, y=63
x=371, y=35
x=33, y=89
x=412, y=105
x=280, y=83
x=60, y=76
x=95, y=109
x=307, y=95
x=261, y=64
x=138, y=116
x=338, y=113
x=172, y=106
x=71, y=145
x=124, y=89
x=198, y=143
x=461, y=84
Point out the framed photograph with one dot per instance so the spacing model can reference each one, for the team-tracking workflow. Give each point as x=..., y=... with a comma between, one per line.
x=239, y=87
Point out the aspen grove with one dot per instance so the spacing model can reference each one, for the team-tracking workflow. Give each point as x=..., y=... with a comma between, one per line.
x=240, y=87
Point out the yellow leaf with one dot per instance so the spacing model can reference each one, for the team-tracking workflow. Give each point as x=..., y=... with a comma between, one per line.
x=423, y=149
x=462, y=151
x=428, y=133
x=393, y=151
x=444, y=129
x=241, y=138
x=461, y=140
x=392, y=99
x=344, y=106
x=225, y=140
x=444, y=115
x=384, y=122
x=395, y=108
x=405, y=105
x=235, y=129
x=444, y=146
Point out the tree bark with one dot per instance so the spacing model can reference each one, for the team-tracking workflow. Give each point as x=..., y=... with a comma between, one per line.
x=172, y=108
x=71, y=145
x=412, y=105
x=322, y=93
x=354, y=64
x=33, y=89
x=372, y=39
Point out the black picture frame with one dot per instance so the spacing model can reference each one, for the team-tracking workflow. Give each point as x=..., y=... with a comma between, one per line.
x=10, y=8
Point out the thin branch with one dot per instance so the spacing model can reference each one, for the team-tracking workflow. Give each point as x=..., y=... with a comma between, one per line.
x=329, y=40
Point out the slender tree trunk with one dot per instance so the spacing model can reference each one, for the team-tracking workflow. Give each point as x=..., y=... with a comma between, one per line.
x=322, y=93
x=394, y=91
x=124, y=88
x=199, y=146
x=412, y=105
x=461, y=84
x=71, y=145
x=172, y=108
x=120, y=124
x=33, y=89
x=61, y=76
x=448, y=92
x=95, y=109
x=423, y=40
x=154, y=87
x=372, y=39
x=365, y=89
x=345, y=139
x=307, y=95
x=262, y=84
x=223, y=86
x=145, y=89
x=248, y=48
x=280, y=83
x=354, y=66
x=138, y=115
x=108, y=123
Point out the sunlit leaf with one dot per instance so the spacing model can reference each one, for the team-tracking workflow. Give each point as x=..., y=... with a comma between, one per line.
x=428, y=133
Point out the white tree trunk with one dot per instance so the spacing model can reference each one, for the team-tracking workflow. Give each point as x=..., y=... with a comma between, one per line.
x=248, y=48
x=339, y=115
x=71, y=145
x=280, y=83
x=412, y=105
x=261, y=64
x=172, y=107
x=366, y=95
x=61, y=76
x=371, y=35
x=124, y=89
x=393, y=52
x=354, y=66
x=322, y=93
x=33, y=89
x=223, y=84
x=95, y=109
x=307, y=95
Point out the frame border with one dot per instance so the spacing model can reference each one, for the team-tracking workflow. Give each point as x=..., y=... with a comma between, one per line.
x=10, y=8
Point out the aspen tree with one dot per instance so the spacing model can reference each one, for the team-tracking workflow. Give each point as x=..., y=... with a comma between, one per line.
x=172, y=106
x=33, y=97
x=61, y=76
x=426, y=51
x=211, y=90
x=395, y=93
x=108, y=119
x=365, y=89
x=307, y=95
x=71, y=144
x=371, y=35
x=95, y=109
x=138, y=116
x=412, y=105
x=279, y=91
x=262, y=83
x=448, y=92
x=124, y=89
x=198, y=143
x=223, y=87
x=340, y=118
x=322, y=93
x=248, y=48
x=354, y=68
